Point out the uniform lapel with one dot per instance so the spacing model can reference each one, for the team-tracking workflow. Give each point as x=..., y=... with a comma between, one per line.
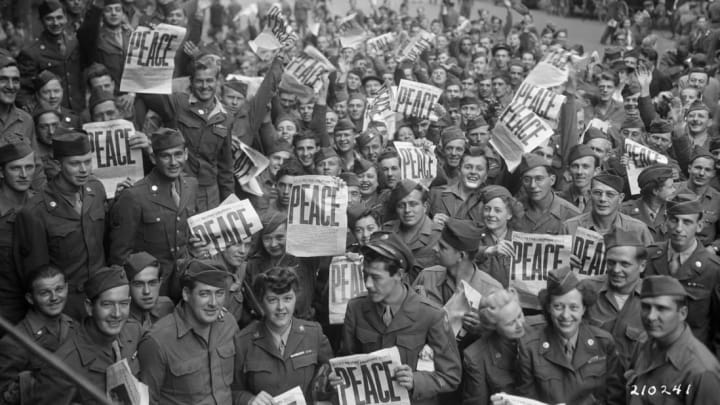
x=692, y=265
x=295, y=338
x=159, y=193
x=407, y=315
x=87, y=201
x=264, y=340
x=185, y=193
x=585, y=348
x=370, y=314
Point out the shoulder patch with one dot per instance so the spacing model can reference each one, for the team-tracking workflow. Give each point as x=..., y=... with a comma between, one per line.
x=655, y=251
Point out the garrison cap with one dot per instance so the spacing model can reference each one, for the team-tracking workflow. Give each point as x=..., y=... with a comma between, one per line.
x=461, y=234
x=39, y=112
x=104, y=279
x=630, y=89
x=402, y=190
x=500, y=47
x=279, y=145
x=531, y=161
x=237, y=85
x=344, y=125
x=476, y=123
x=73, y=143
x=450, y=134
x=493, y=191
x=656, y=286
x=324, y=153
x=655, y=173
x=389, y=245
x=365, y=138
x=271, y=220
x=355, y=212
x=362, y=165
x=137, y=262
x=166, y=138
x=468, y=100
x=341, y=95
x=50, y=6
x=697, y=105
x=14, y=151
x=560, y=281
x=99, y=96
x=632, y=122
x=660, y=126
x=351, y=179
x=206, y=272
x=616, y=182
x=6, y=60
x=700, y=152
x=371, y=78
x=595, y=133
x=581, y=151
x=621, y=237
x=684, y=204
x=714, y=143
x=43, y=78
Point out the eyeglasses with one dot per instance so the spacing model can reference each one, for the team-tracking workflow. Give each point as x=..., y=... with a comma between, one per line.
x=527, y=180
x=167, y=156
x=601, y=193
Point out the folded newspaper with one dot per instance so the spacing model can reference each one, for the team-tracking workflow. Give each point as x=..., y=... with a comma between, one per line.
x=122, y=386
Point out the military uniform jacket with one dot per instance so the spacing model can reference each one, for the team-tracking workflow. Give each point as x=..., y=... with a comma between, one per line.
x=700, y=275
x=435, y=284
x=180, y=367
x=12, y=289
x=593, y=376
x=551, y=222
x=446, y=200
x=98, y=43
x=418, y=322
x=622, y=222
x=206, y=138
x=637, y=209
x=710, y=201
x=423, y=244
x=145, y=218
x=685, y=373
x=84, y=354
x=490, y=365
x=48, y=230
x=45, y=54
x=263, y=368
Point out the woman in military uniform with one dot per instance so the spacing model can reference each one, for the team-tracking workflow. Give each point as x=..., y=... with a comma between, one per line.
x=280, y=351
x=569, y=361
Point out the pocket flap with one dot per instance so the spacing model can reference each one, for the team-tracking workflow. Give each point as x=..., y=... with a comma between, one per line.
x=226, y=351
x=188, y=121
x=410, y=341
x=180, y=368
x=304, y=360
x=151, y=217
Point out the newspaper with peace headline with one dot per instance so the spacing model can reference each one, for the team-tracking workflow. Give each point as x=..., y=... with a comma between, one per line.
x=589, y=248
x=248, y=164
x=368, y=378
x=123, y=388
x=317, y=216
x=534, y=255
x=639, y=158
x=415, y=99
x=309, y=66
x=416, y=163
x=226, y=225
x=345, y=283
x=150, y=59
x=112, y=158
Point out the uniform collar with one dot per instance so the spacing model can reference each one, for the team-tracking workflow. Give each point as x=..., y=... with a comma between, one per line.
x=218, y=108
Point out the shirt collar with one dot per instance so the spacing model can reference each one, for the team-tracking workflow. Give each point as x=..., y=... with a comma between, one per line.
x=283, y=337
x=216, y=110
x=685, y=254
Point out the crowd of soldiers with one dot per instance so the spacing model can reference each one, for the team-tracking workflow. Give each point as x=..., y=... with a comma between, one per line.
x=98, y=280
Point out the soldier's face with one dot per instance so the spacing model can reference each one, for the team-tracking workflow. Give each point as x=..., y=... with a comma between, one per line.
x=411, y=209
x=667, y=190
x=204, y=84
x=682, y=229
x=232, y=99
x=274, y=242
x=538, y=183
x=566, y=312
x=345, y=140
x=378, y=281
x=204, y=302
x=368, y=182
x=473, y=171
x=237, y=254
x=606, y=200
x=105, y=111
x=331, y=119
x=391, y=171
x=49, y=295
x=305, y=151
x=287, y=101
x=169, y=162
x=447, y=255
x=145, y=288
x=356, y=108
x=328, y=167
x=112, y=15
x=102, y=83
x=372, y=149
x=405, y=134
x=46, y=126
x=701, y=171
x=582, y=171
x=18, y=174
x=9, y=84
x=277, y=159
x=51, y=94
x=661, y=316
x=55, y=22
x=279, y=308
x=306, y=111
x=340, y=108
x=623, y=268
x=511, y=321
x=76, y=169
x=364, y=228
x=75, y=6
x=176, y=17
x=479, y=136
x=284, y=186
x=110, y=310
x=454, y=151
x=470, y=111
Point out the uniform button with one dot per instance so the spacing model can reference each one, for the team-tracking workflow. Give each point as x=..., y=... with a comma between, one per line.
x=172, y=249
x=153, y=188
x=178, y=218
x=53, y=204
x=201, y=112
x=157, y=219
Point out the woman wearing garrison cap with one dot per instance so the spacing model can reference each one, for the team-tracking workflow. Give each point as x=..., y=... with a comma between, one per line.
x=656, y=188
x=569, y=361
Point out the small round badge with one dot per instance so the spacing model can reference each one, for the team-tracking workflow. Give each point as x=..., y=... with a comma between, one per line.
x=201, y=112
x=53, y=204
x=153, y=188
x=546, y=345
x=591, y=342
x=698, y=263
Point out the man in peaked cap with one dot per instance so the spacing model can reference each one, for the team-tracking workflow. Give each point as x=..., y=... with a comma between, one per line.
x=17, y=167
x=145, y=276
x=57, y=50
x=409, y=203
x=64, y=224
x=617, y=309
x=152, y=215
x=545, y=211
x=583, y=165
x=105, y=337
x=606, y=194
x=392, y=312
x=199, y=336
x=656, y=187
x=697, y=268
x=686, y=367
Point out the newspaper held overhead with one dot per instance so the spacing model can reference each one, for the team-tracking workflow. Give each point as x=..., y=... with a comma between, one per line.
x=150, y=59
x=379, y=107
x=112, y=159
x=551, y=71
x=279, y=26
x=518, y=131
x=294, y=396
x=417, y=45
x=416, y=163
x=543, y=102
x=589, y=247
x=253, y=83
x=248, y=164
x=368, y=378
x=225, y=225
x=534, y=255
x=381, y=44
x=346, y=282
x=352, y=34
x=415, y=99
x=639, y=157
x=123, y=388
x=309, y=66
x=317, y=216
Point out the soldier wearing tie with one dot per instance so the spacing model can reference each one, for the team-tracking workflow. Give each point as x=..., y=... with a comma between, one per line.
x=144, y=275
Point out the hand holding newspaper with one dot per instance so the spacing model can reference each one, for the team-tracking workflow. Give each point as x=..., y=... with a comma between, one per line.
x=123, y=387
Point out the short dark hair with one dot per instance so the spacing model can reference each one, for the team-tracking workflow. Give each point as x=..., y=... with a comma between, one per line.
x=392, y=266
x=609, y=76
x=279, y=280
x=476, y=154
x=48, y=271
x=587, y=291
x=650, y=54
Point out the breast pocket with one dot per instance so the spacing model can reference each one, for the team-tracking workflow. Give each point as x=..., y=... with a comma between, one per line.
x=227, y=362
x=64, y=240
x=153, y=227
x=188, y=377
x=368, y=340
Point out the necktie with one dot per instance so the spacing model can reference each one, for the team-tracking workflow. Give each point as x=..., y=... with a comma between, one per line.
x=175, y=194
x=569, y=351
x=581, y=203
x=281, y=347
x=63, y=47
x=146, y=321
x=78, y=204
x=387, y=315
x=674, y=264
x=116, y=350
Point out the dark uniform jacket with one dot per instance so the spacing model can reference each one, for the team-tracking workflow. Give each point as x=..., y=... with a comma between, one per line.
x=145, y=218
x=263, y=368
x=147, y=319
x=48, y=230
x=700, y=275
x=446, y=200
x=639, y=210
x=422, y=245
x=180, y=367
x=684, y=373
x=207, y=140
x=593, y=376
x=86, y=355
x=418, y=322
x=45, y=54
x=710, y=201
x=12, y=287
x=551, y=222
x=99, y=44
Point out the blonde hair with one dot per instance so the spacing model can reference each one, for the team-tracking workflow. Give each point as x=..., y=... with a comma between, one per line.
x=492, y=304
